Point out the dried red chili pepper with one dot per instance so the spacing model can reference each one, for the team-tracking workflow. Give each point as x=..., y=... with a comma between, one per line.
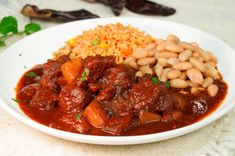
x=33, y=11
x=148, y=8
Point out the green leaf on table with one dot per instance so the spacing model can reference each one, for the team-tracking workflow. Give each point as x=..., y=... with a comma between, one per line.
x=31, y=28
x=2, y=44
x=8, y=25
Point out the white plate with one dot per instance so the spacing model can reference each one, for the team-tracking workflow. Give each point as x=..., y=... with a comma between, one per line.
x=38, y=47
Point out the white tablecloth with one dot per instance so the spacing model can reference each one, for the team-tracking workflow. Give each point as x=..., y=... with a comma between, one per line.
x=213, y=16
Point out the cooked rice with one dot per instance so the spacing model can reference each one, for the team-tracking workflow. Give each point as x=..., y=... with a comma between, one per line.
x=113, y=39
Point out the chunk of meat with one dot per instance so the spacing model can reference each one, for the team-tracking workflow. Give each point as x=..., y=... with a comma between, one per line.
x=51, y=73
x=29, y=90
x=170, y=100
x=75, y=124
x=143, y=95
x=97, y=66
x=95, y=114
x=106, y=93
x=119, y=76
x=44, y=99
x=169, y=116
x=117, y=107
x=117, y=125
x=73, y=98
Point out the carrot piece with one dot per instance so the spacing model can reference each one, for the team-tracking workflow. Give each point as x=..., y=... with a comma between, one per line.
x=127, y=52
x=71, y=69
x=147, y=117
x=95, y=114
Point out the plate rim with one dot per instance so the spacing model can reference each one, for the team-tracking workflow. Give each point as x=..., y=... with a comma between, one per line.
x=117, y=140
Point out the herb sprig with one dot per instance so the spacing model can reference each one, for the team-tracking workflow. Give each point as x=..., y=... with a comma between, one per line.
x=9, y=28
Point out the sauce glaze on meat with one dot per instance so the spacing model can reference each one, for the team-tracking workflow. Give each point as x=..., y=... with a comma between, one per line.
x=100, y=97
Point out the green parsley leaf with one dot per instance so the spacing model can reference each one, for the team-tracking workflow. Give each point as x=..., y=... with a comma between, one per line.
x=2, y=44
x=25, y=67
x=31, y=28
x=95, y=42
x=8, y=25
x=31, y=74
x=168, y=84
x=85, y=73
x=155, y=80
x=78, y=116
x=16, y=100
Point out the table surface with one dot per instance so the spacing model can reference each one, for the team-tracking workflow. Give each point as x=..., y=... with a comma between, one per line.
x=214, y=17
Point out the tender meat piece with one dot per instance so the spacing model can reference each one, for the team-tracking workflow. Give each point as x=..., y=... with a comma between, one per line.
x=45, y=99
x=97, y=65
x=94, y=87
x=117, y=107
x=143, y=95
x=106, y=93
x=51, y=73
x=119, y=76
x=73, y=123
x=169, y=116
x=73, y=98
x=61, y=81
x=165, y=102
x=29, y=90
x=170, y=100
x=117, y=125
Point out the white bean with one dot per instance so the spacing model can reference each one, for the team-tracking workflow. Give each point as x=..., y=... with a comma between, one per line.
x=163, y=76
x=212, y=90
x=133, y=64
x=187, y=46
x=196, y=54
x=211, y=71
x=178, y=83
x=213, y=58
x=195, y=75
x=150, y=46
x=146, y=61
x=183, y=76
x=156, y=54
x=185, y=55
x=163, y=62
x=197, y=64
x=174, y=47
x=146, y=70
x=182, y=66
x=173, y=74
x=173, y=61
x=139, y=53
x=129, y=59
x=194, y=91
x=139, y=74
x=160, y=47
x=158, y=69
x=173, y=38
x=166, y=54
x=206, y=57
x=208, y=81
x=191, y=84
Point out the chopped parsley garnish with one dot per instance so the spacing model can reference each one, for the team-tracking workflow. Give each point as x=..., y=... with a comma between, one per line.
x=155, y=80
x=16, y=100
x=95, y=42
x=85, y=73
x=78, y=116
x=31, y=74
x=168, y=84
x=25, y=67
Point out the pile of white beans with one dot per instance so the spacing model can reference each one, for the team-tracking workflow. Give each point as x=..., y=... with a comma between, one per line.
x=183, y=64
